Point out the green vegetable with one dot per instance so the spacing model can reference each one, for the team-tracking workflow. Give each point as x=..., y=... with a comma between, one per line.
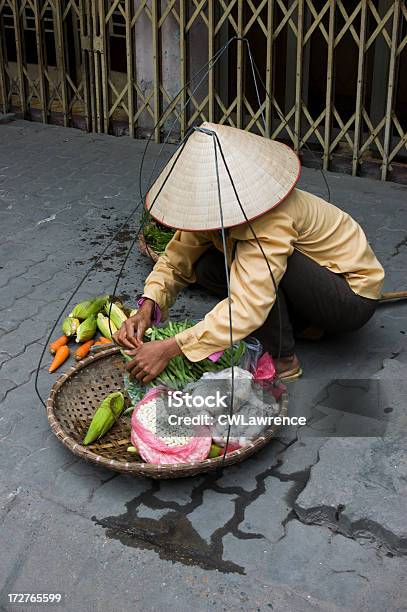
x=89, y=307
x=116, y=314
x=105, y=417
x=180, y=371
x=102, y=323
x=70, y=326
x=132, y=449
x=215, y=451
x=135, y=390
x=86, y=329
x=157, y=237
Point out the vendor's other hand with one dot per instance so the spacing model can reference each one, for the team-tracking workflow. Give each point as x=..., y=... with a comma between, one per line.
x=151, y=358
x=132, y=331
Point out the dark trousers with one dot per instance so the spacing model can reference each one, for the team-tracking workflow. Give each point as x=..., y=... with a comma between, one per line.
x=308, y=294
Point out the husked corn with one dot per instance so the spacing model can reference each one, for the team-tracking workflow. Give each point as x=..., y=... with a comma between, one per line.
x=89, y=307
x=86, y=329
x=70, y=326
x=105, y=416
x=104, y=327
x=117, y=316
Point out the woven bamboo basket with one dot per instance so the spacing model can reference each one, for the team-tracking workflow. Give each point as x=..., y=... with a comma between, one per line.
x=146, y=249
x=78, y=392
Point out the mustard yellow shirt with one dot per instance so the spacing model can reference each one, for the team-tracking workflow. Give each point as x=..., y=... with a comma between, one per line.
x=302, y=221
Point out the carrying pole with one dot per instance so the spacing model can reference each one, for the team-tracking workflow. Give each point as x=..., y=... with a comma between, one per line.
x=389, y=296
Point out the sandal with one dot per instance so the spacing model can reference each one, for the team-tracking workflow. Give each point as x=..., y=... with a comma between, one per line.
x=288, y=368
x=291, y=375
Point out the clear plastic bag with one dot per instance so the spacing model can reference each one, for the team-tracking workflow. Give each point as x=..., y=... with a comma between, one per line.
x=253, y=405
x=253, y=353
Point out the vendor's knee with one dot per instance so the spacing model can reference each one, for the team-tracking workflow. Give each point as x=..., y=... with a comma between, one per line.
x=201, y=272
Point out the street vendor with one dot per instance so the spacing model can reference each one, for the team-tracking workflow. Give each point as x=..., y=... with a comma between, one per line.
x=277, y=236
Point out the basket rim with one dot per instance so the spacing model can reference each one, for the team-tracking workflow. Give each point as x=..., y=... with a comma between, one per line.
x=146, y=249
x=142, y=468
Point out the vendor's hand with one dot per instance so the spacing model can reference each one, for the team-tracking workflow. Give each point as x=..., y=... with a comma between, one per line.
x=151, y=358
x=131, y=333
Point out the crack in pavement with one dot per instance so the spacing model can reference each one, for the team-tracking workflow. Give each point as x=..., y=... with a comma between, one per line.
x=160, y=536
x=26, y=347
x=348, y=571
x=398, y=246
x=365, y=529
x=173, y=536
x=31, y=290
x=25, y=382
x=34, y=315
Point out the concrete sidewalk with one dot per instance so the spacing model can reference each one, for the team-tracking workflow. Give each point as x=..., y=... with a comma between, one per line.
x=313, y=522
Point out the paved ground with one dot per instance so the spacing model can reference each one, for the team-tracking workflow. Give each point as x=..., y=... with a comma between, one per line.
x=313, y=522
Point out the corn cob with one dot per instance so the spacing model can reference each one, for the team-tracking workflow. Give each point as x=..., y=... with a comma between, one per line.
x=70, y=326
x=103, y=325
x=105, y=417
x=89, y=307
x=116, y=314
x=86, y=329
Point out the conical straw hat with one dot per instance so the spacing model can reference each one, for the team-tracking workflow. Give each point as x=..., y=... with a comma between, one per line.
x=263, y=171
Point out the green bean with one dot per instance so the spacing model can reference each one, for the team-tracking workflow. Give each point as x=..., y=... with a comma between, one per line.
x=180, y=371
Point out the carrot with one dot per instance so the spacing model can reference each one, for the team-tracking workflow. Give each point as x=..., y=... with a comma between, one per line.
x=104, y=340
x=61, y=355
x=101, y=341
x=57, y=343
x=83, y=350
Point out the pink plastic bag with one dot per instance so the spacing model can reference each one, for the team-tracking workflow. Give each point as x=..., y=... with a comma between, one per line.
x=265, y=369
x=153, y=449
x=265, y=375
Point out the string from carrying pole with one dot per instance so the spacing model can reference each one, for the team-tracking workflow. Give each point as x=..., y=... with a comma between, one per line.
x=94, y=264
x=123, y=225
x=259, y=245
x=254, y=69
x=74, y=292
x=217, y=145
x=281, y=116
x=209, y=65
x=141, y=227
x=225, y=256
